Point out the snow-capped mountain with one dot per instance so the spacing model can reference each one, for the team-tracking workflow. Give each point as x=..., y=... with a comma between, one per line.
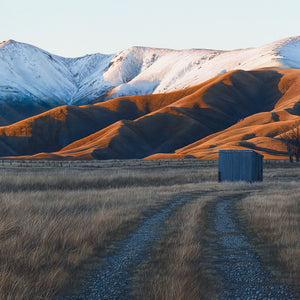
x=28, y=73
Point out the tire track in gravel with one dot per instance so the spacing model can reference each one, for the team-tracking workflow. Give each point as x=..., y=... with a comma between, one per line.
x=244, y=275
x=112, y=279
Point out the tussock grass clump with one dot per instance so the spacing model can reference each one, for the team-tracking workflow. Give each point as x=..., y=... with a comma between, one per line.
x=273, y=220
x=53, y=220
x=70, y=179
x=45, y=235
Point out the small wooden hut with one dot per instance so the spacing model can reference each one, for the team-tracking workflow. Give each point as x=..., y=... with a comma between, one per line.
x=240, y=165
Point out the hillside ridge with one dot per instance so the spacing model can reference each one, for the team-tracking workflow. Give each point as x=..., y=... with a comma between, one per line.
x=29, y=73
x=235, y=110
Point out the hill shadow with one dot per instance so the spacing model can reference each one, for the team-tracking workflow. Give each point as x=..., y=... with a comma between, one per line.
x=49, y=134
x=250, y=93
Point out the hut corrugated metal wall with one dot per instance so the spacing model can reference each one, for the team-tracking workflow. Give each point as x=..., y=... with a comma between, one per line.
x=240, y=165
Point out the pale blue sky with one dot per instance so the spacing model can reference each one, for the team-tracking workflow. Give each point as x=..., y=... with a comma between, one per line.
x=77, y=27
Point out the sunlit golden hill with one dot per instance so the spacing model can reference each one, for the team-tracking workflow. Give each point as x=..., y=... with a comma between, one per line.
x=236, y=110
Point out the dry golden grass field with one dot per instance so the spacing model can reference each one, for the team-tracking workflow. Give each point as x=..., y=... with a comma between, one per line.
x=55, y=217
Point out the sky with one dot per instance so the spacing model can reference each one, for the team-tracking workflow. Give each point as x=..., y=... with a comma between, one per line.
x=77, y=27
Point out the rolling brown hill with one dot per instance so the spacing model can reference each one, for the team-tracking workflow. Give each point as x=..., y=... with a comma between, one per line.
x=260, y=132
x=165, y=125
x=56, y=128
x=236, y=110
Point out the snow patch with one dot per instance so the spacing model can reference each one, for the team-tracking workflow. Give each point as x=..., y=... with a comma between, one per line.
x=290, y=53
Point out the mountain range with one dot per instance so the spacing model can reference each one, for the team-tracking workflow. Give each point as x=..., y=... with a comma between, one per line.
x=147, y=102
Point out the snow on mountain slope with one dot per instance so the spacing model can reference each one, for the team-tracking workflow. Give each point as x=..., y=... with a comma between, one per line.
x=290, y=53
x=31, y=73
x=28, y=73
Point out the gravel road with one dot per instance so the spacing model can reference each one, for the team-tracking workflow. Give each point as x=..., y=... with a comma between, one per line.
x=244, y=276
x=243, y=272
x=111, y=280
